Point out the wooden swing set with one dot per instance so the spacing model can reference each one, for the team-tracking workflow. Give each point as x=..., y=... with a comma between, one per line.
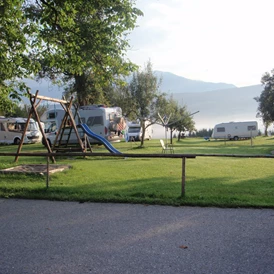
x=35, y=101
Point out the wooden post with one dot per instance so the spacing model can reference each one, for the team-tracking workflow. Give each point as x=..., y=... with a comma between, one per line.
x=183, y=176
x=251, y=141
x=47, y=176
x=34, y=106
x=23, y=137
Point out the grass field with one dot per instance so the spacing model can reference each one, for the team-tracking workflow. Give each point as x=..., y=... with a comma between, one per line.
x=210, y=181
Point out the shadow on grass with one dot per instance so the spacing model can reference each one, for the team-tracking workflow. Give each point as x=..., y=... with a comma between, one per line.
x=217, y=192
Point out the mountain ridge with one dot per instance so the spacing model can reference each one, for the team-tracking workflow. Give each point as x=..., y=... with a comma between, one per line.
x=172, y=83
x=224, y=103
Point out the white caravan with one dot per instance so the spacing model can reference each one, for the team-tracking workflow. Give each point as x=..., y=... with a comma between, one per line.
x=11, y=131
x=134, y=131
x=235, y=130
x=104, y=121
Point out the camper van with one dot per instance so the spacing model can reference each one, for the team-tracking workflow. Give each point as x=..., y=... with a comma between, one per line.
x=11, y=131
x=235, y=130
x=104, y=121
x=134, y=131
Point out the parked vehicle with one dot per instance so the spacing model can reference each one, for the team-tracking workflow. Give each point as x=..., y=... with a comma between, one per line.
x=134, y=131
x=11, y=131
x=106, y=122
x=235, y=130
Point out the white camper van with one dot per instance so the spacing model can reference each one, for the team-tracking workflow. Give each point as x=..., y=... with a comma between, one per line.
x=235, y=130
x=11, y=130
x=104, y=121
x=134, y=131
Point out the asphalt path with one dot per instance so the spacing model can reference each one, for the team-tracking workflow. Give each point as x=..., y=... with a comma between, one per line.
x=70, y=237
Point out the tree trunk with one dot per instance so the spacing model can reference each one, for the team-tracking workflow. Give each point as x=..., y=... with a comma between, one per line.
x=171, y=138
x=265, y=130
x=80, y=89
x=143, y=133
x=179, y=136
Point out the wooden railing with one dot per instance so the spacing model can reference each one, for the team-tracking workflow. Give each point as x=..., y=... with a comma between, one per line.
x=90, y=154
x=129, y=155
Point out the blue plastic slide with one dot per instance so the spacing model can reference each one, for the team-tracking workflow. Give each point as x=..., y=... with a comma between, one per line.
x=105, y=142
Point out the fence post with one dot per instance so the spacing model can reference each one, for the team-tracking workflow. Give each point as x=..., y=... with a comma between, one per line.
x=47, y=176
x=183, y=176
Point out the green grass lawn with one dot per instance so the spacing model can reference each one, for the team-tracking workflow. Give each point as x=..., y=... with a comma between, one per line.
x=210, y=181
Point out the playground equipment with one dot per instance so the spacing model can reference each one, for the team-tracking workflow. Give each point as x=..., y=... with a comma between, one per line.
x=104, y=121
x=105, y=142
x=35, y=100
x=69, y=117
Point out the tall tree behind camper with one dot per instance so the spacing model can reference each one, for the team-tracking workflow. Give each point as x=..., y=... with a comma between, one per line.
x=144, y=95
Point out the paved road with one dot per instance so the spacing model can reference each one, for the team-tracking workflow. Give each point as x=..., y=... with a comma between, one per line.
x=69, y=237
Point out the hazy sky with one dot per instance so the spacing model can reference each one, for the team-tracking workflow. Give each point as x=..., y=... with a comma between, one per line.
x=229, y=41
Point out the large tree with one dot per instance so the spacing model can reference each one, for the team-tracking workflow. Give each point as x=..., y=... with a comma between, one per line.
x=141, y=99
x=14, y=63
x=266, y=100
x=84, y=40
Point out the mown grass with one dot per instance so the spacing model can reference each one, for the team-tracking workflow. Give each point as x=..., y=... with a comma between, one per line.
x=210, y=181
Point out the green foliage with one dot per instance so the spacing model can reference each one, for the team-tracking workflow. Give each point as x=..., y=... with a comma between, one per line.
x=85, y=41
x=22, y=110
x=141, y=100
x=204, y=132
x=14, y=62
x=144, y=97
x=6, y=104
x=64, y=38
x=180, y=119
x=266, y=100
x=13, y=41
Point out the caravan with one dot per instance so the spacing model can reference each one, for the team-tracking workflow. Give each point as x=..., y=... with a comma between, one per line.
x=134, y=131
x=11, y=131
x=106, y=122
x=235, y=130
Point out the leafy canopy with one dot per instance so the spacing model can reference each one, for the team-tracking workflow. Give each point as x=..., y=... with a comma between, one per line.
x=266, y=99
x=85, y=41
x=56, y=38
x=142, y=100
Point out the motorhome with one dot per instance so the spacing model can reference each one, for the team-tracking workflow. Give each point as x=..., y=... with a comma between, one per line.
x=104, y=121
x=11, y=131
x=235, y=130
x=134, y=131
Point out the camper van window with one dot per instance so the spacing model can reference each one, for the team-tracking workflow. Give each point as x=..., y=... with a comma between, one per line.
x=95, y=121
x=249, y=128
x=220, y=129
x=50, y=127
x=10, y=127
x=111, y=116
x=52, y=115
x=19, y=127
x=2, y=128
x=53, y=127
x=32, y=126
x=134, y=129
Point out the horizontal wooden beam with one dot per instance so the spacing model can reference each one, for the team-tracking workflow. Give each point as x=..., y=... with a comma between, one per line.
x=55, y=100
x=91, y=154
